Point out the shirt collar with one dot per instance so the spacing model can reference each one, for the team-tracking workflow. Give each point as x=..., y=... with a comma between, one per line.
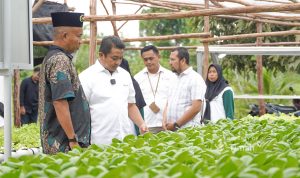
x=187, y=71
x=33, y=80
x=101, y=68
x=54, y=47
x=160, y=69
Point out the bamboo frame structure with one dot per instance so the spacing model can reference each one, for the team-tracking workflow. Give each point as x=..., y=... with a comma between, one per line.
x=188, y=14
x=287, y=15
x=93, y=33
x=203, y=37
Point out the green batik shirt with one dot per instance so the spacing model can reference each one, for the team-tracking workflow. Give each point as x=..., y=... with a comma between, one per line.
x=59, y=81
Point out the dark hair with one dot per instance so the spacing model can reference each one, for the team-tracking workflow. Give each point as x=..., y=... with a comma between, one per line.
x=1, y=109
x=37, y=69
x=148, y=48
x=183, y=53
x=110, y=42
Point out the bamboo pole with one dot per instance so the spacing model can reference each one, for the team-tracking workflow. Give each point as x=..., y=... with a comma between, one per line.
x=16, y=98
x=265, y=18
x=114, y=9
x=140, y=39
x=113, y=23
x=229, y=45
x=159, y=3
x=274, y=1
x=93, y=33
x=183, y=36
x=127, y=20
x=294, y=24
x=147, y=5
x=252, y=35
x=259, y=67
x=266, y=44
x=239, y=2
x=187, y=14
x=205, y=44
x=37, y=5
x=160, y=48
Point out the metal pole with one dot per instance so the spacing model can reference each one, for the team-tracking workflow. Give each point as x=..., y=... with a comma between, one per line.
x=7, y=115
x=200, y=62
x=7, y=79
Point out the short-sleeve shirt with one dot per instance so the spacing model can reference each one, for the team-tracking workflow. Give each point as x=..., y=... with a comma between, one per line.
x=156, y=91
x=188, y=87
x=59, y=81
x=108, y=102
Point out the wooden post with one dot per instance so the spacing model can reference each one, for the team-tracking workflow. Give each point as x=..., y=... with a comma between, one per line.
x=37, y=5
x=206, y=50
x=259, y=68
x=93, y=33
x=16, y=100
x=114, y=9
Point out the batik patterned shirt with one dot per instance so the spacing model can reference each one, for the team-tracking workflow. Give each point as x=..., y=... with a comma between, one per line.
x=59, y=81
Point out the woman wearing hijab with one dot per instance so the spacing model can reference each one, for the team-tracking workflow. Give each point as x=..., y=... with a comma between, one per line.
x=218, y=96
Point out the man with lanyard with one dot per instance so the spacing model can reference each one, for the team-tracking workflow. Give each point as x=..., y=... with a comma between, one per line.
x=186, y=96
x=111, y=96
x=63, y=109
x=154, y=81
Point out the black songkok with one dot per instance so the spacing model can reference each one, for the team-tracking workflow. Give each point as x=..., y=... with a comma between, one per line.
x=67, y=19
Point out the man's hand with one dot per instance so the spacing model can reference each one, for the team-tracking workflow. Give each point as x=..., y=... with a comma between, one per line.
x=143, y=128
x=164, y=125
x=22, y=110
x=170, y=126
x=73, y=144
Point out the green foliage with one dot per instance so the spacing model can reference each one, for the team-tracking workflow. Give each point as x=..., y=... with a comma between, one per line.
x=27, y=136
x=82, y=58
x=168, y=27
x=39, y=51
x=275, y=83
x=249, y=147
x=225, y=27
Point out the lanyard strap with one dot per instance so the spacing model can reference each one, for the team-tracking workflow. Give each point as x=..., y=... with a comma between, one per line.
x=154, y=92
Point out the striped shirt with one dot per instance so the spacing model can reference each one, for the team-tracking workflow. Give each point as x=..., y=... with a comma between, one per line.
x=188, y=87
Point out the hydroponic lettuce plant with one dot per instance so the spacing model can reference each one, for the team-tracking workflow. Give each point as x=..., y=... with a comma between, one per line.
x=248, y=147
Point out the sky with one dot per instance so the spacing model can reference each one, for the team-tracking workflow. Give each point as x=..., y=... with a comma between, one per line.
x=130, y=30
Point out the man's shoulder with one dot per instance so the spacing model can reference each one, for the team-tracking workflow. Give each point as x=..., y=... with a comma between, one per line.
x=57, y=57
x=86, y=72
x=194, y=73
x=26, y=80
x=167, y=74
x=123, y=72
x=140, y=74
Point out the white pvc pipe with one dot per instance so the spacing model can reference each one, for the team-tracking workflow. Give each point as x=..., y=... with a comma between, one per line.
x=22, y=152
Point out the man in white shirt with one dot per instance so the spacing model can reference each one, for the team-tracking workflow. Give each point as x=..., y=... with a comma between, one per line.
x=154, y=81
x=186, y=96
x=110, y=93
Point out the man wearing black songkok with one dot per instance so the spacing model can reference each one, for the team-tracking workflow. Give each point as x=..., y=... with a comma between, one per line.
x=63, y=109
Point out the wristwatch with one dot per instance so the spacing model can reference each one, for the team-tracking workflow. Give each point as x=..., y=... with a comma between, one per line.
x=176, y=126
x=75, y=139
